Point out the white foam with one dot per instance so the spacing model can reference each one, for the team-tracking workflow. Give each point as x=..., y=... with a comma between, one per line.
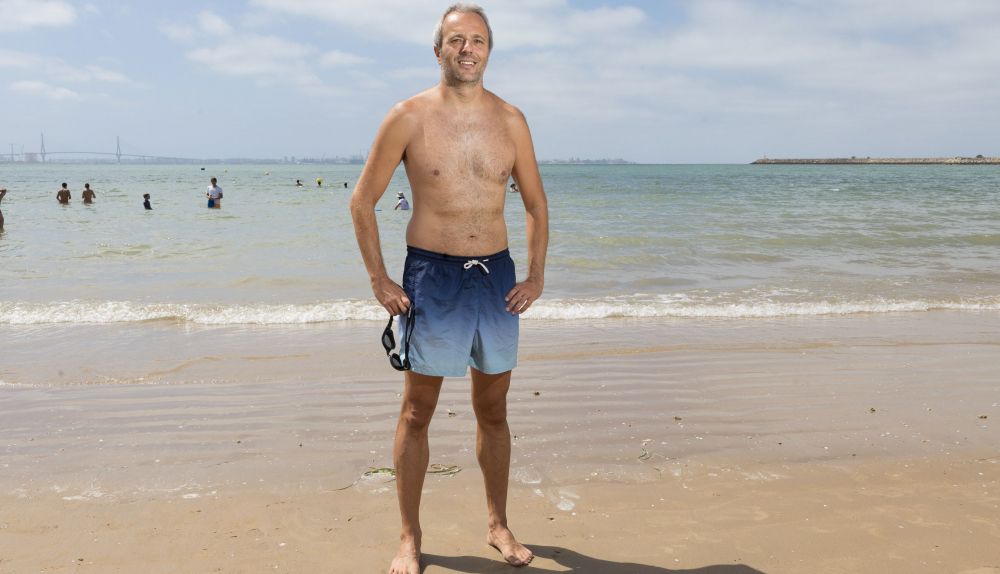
x=83, y=312
x=635, y=306
x=646, y=308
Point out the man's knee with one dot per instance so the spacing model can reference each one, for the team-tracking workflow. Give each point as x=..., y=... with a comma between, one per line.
x=491, y=413
x=416, y=416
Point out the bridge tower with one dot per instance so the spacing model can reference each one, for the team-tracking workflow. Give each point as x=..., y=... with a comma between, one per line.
x=118, y=152
x=42, y=151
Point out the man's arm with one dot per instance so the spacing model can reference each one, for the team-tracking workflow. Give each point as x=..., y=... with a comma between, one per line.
x=386, y=153
x=536, y=208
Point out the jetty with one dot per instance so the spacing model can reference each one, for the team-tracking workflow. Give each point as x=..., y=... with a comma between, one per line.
x=958, y=160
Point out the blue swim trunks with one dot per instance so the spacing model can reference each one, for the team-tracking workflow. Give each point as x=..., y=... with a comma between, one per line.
x=460, y=316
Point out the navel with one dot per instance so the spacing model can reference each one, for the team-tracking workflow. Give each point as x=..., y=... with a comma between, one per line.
x=503, y=174
x=437, y=172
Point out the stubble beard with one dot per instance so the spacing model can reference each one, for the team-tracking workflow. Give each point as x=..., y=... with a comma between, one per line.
x=453, y=76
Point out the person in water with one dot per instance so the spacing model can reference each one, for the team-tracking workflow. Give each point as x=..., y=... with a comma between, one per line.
x=401, y=202
x=63, y=196
x=88, y=194
x=214, y=194
x=145, y=202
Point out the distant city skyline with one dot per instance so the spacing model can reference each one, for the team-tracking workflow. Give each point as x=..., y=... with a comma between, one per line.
x=707, y=81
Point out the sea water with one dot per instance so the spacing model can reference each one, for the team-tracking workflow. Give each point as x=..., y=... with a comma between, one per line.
x=639, y=241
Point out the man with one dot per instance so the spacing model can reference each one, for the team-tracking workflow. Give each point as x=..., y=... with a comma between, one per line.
x=88, y=194
x=63, y=196
x=459, y=144
x=3, y=192
x=401, y=202
x=214, y=195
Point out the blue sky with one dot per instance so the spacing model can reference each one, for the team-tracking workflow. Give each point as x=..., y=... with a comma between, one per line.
x=685, y=81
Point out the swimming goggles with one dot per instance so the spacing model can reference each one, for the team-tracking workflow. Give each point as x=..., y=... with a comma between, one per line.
x=389, y=342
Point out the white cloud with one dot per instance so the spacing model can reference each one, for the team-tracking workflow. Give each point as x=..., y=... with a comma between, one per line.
x=41, y=89
x=213, y=24
x=336, y=58
x=21, y=15
x=400, y=18
x=267, y=59
x=58, y=69
x=516, y=23
x=178, y=32
x=104, y=75
x=264, y=57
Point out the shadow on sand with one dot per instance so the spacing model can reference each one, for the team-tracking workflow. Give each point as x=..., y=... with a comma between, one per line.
x=571, y=561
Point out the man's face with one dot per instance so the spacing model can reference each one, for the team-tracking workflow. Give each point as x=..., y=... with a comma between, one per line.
x=464, y=48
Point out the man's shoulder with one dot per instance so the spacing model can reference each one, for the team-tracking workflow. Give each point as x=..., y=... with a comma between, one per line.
x=509, y=111
x=415, y=105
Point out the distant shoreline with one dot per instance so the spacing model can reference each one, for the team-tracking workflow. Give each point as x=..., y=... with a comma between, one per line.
x=978, y=160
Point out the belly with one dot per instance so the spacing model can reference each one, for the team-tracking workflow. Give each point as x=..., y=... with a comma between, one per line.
x=458, y=232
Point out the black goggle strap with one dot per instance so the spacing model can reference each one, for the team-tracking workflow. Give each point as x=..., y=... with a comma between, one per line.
x=404, y=345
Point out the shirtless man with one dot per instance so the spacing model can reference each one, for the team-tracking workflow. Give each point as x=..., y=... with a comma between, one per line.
x=3, y=192
x=459, y=144
x=88, y=194
x=62, y=196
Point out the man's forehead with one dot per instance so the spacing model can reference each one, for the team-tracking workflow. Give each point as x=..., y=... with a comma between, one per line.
x=464, y=23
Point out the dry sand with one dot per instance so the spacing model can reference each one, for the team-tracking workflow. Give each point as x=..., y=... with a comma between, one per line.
x=841, y=445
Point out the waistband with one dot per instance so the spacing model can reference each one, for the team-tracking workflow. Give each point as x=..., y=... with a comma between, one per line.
x=457, y=259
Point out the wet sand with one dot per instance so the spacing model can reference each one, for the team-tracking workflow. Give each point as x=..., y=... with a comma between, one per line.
x=823, y=444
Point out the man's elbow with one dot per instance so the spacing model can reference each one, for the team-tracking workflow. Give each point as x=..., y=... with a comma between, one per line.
x=536, y=206
x=360, y=205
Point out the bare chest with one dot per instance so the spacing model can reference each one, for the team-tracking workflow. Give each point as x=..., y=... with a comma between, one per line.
x=477, y=151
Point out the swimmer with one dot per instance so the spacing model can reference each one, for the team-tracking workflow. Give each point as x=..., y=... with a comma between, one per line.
x=63, y=196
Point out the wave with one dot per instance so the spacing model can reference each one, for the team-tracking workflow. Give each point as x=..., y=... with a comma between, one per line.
x=638, y=306
x=605, y=309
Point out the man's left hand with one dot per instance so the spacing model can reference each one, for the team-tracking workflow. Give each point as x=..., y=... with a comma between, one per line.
x=523, y=295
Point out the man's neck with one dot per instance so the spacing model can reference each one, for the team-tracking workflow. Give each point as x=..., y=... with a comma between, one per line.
x=462, y=93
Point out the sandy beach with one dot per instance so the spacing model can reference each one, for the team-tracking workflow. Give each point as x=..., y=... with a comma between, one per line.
x=862, y=444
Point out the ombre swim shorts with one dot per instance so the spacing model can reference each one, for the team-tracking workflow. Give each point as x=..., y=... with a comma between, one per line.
x=460, y=316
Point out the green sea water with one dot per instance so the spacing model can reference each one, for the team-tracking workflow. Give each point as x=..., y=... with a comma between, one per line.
x=645, y=241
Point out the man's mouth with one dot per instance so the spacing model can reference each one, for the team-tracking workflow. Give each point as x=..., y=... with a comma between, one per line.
x=466, y=63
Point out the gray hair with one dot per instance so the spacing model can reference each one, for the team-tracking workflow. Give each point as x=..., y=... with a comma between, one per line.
x=462, y=8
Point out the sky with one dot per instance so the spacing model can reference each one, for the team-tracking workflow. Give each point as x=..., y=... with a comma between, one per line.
x=668, y=81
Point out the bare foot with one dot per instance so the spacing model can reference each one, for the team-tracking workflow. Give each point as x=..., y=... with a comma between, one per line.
x=407, y=560
x=512, y=551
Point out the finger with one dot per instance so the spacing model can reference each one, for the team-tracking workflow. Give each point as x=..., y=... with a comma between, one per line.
x=511, y=294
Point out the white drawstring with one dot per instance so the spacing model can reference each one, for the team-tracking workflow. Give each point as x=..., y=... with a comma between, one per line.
x=473, y=262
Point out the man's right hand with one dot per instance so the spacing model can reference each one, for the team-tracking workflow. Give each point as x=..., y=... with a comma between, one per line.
x=391, y=296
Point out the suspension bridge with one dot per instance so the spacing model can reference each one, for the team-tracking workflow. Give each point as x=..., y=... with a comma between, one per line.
x=43, y=155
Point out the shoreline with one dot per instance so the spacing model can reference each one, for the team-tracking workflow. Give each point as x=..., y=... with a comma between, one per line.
x=821, y=444
x=957, y=160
